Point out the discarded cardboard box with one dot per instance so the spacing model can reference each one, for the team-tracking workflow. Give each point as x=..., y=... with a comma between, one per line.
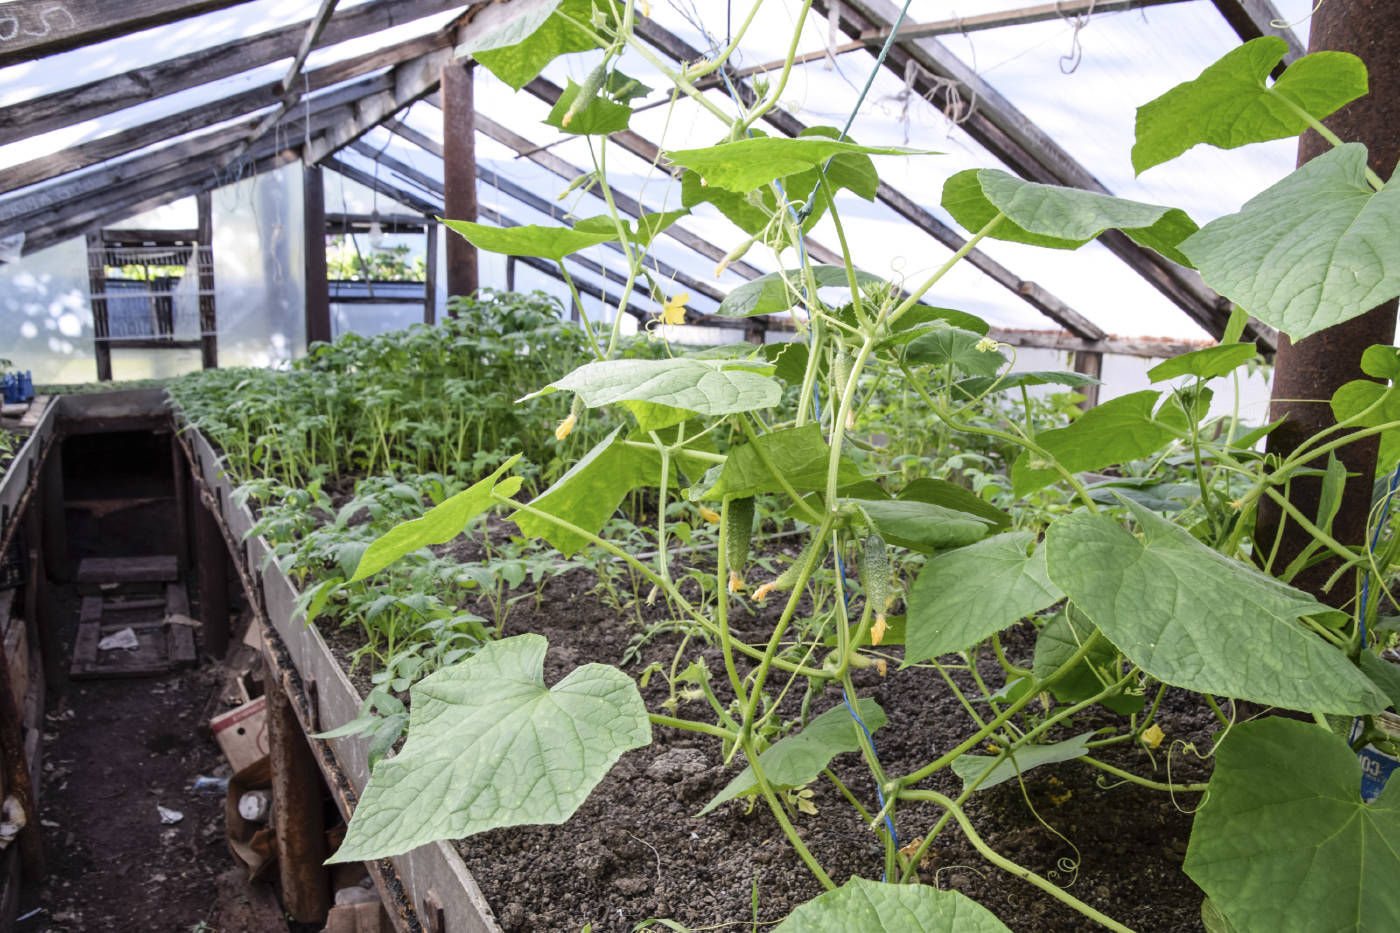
x=242, y=733
x=253, y=845
x=358, y=918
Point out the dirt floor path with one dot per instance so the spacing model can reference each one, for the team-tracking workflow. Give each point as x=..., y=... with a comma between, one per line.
x=115, y=751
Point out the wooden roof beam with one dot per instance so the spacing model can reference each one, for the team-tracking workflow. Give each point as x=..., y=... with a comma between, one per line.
x=407, y=198
x=175, y=125
x=290, y=92
x=116, y=92
x=627, y=204
x=1146, y=348
x=1033, y=294
x=1251, y=19
x=949, y=27
x=42, y=206
x=648, y=151
x=38, y=28
x=1021, y=145
x=137, y=199
x=412, y=81
x=517, y=192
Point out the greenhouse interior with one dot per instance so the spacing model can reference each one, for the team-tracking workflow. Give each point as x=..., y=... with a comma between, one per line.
x=682, y=465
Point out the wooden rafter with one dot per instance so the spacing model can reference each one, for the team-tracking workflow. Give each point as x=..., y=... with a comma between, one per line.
x=648, y=151
x=1033, y=294
x=625, y=203
x=1021, y=145
x=532, y=200
x=288, y=87
x=175, y=125
x=57, y=202
x=41, y=27
x=1254, y=18
x=960, y=25
x=412, y=81
x=138, y=200
x=97, y=98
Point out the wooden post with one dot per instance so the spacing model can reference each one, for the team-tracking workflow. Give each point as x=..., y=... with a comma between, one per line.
x=318, y=301
x=180, y=484
x=755, y=330
x=212, y=558
x=1090, y=363
x=97, y=290
x=430, y=274
x=510, y=273
x=1307, y=373
x=459, y=174
x=297, y=814
x=204, y=259
x=55, y=521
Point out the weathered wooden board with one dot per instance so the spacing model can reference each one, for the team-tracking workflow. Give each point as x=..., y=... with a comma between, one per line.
x=152, y=568
x=162, y=645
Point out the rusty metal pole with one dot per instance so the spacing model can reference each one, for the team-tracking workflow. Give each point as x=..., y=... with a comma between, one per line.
x=1307, y=373
x=459, y=174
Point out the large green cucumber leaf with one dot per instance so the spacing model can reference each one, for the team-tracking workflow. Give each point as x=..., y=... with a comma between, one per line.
x=1384, y=674
x=1207, y=363
x=955, y=497
x=439, y=524
x=1285, y=844
x=530, y=239
x=977, y=386
x=970, y=767
x=489, y=745
x=640, y=232
x=923, y=526
x=1120, y=429
x=1193, y=618
x=1317, y=248
x=590, y=492
x=797, y=759
x=953, y=346
x=963, y=596
x=922, y=318
x=1060, y=218
x=851, y=170
x=517, y=50
x=778, y=291
x=706, y=387
x=1059, y=640
x=865, y=905
x=745, y=164
x=1358, y=395
x=597, y=117
x=1232, y=104
x=799, y=455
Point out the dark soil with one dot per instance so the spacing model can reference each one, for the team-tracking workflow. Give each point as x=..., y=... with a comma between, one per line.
x=114, y=750
x=635, y=850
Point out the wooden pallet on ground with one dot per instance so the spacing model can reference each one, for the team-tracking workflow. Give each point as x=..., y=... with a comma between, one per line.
x=164, y=637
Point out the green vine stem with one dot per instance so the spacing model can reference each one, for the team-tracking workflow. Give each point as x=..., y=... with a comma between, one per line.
x=1145, y=782
x=1005, y=864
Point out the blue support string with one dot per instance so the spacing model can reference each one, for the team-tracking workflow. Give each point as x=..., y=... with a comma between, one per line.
x=799, y=216
x=1375, y=539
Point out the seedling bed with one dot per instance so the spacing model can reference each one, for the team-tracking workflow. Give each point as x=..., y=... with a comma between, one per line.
x=637, y=850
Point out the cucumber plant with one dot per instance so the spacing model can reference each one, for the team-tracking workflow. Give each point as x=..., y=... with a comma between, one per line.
x=1127, y=600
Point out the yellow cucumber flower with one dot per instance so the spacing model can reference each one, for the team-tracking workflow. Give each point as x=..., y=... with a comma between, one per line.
x=673, y=312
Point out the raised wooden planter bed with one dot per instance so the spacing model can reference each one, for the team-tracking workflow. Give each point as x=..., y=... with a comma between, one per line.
x=428, y=889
